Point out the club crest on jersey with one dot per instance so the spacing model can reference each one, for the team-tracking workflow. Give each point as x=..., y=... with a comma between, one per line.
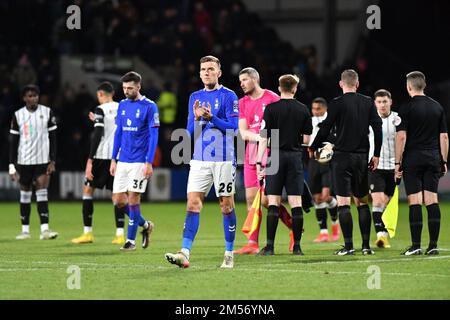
x=138, y=113
x=216, y=105
x=128, y=122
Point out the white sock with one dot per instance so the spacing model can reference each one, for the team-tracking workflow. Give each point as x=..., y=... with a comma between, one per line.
x=119, y=232
x=25, y=228
x=87, y=229
x=229, y=253
x=185, y=252
x=44, y=227
x=132, y=241
x=323, y=231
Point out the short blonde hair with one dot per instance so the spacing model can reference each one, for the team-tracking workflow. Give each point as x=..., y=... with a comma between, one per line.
x=210, y=59
x=416, y=80
x=288, y=82
x=349, y=77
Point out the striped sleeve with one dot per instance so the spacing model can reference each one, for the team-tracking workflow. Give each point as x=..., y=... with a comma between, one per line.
x=99, y=120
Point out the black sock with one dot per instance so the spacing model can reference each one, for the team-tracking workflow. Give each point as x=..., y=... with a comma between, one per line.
x=377, y=221
x=42, y=207
x=365, y=222
x=297, y=224
x=415, y=224
x=321, y=215
x=272, y=223
x=434, y=223
x=333, y=213
x=25, y=210
x=119, y=213
x=346, y=222
x=88, y=211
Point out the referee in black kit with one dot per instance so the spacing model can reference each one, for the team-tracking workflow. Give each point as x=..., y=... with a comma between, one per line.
x=352, y=114
x=293, y=121
x=421, y=149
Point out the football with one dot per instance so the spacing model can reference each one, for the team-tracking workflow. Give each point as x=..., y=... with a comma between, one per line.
x=324, y=154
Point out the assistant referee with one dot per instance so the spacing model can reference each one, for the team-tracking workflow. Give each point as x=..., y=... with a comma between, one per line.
x=421, y=156
x=352, y=114
x=292, y=120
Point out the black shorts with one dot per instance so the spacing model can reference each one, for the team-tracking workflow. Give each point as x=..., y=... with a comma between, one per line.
x=382, y=181
x=289, y=175
x=421, y=170
x=29, y=173
x=349, y=174
x=102, y=177
x=319, y=176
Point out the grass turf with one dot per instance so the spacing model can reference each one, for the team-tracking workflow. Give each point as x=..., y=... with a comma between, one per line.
x=35, y=269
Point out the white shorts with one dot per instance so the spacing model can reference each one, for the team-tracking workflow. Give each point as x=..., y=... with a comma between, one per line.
x=203, y=174
x=129, y=177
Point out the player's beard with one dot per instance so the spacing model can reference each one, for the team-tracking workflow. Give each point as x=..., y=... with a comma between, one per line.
x=132, y=96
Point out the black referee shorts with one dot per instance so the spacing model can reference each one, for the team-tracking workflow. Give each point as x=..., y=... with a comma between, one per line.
x=29, y=173
x=382, y=181
x=102, y=177
x=289, y=175
x=319, y=176
x=421, y=170
x=349, y=174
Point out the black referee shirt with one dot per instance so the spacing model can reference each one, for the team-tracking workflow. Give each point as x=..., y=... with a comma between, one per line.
x=423, y=119
x=352, y=114
x=291, y=118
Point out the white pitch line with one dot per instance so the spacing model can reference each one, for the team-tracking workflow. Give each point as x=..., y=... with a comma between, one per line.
x=243, y=269
x=265, y=269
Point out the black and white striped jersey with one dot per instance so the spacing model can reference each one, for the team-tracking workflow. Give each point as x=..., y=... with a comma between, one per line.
x=33, y=128
x=387, y=154
x=105, y=116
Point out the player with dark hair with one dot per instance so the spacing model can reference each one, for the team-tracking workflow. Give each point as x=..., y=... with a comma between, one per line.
x=293, y=122
x=136, y=138
x=97, y=175
x=381, y=181
x=421, y=150
x=352, y=114
x=319, y=179
x=33, y=151
x=212, y=123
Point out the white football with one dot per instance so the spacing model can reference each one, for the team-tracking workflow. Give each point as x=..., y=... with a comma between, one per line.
x=325, y=154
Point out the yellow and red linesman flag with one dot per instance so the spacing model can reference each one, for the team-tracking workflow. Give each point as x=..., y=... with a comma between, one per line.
x=390, y=214
x=254, y=216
